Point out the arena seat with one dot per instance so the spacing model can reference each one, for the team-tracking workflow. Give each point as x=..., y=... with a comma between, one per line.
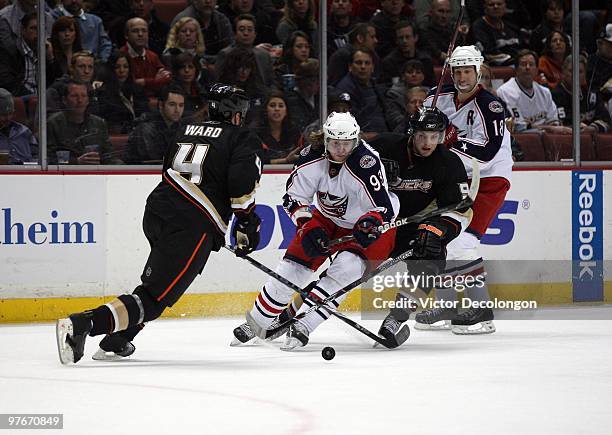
x=531, y=144
x=166, y=10
x=603, y=147
x=502, y=72
x=559, y=146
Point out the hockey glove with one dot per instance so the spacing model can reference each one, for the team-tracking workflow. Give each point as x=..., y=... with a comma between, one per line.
x=451, y=135
x=366, y=230
x=430, y=238
x=392, y=171
x=315, y=241
x=246, y=233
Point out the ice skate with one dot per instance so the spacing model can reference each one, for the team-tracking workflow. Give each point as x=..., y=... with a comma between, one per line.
x=297, y=336
x=71, y=334
x=389, y=327
x=438, y=319
x=242, y=334
x=474, y=321
x=114, y=347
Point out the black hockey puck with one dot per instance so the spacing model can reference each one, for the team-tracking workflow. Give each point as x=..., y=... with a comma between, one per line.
x=328, y=353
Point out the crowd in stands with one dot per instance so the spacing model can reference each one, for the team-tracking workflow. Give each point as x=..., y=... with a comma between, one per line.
x=123, y=75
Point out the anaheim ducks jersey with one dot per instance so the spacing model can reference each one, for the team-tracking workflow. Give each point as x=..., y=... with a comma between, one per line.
x=215, y=167
x=481, y=129
x=342, y=192
x=529, y=110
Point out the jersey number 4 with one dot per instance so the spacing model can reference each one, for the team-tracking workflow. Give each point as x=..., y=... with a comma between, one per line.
x=189, y=160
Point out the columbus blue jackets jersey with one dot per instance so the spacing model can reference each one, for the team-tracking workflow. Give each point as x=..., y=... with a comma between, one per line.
x=481, y=128
x=341, y=192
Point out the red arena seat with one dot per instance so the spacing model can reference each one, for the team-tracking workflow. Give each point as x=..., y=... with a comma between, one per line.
x=531, y=144
x=559, y=146
x=167, y=9
x=603, y=147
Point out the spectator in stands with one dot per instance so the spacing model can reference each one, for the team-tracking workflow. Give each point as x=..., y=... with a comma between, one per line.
x=340, y=24
x=147, y=69
x=424, y=11
x=65, y=40
x=185, y=36
x=553, y=20
x=363, y=36
x=76, y=130
x=93, y=35
x=594, y=116
x=19, y=59
x=298, y=15
x=297, y=49
x=406, y=39
x=385, y=20
x=16, y=139
x=495, y=37
x=412, y=76
x=303, y=101
x=436, y=30
x=240, y=69
x=276, y=131
x=145, y=9
x=215, y=26
x=599, y=66
x=413, y=101
x=185, y=72
x=11, y=16
x=516, y=14
x=154, y=131
x=370, y=105
x=530, y=103
x=265, y=22
x=120, y=100
x=81, y=69
x=556, y=48
x=244, y=36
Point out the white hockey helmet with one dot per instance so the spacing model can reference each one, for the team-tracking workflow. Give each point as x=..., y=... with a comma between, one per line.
x=466, y=55
x=340, y=126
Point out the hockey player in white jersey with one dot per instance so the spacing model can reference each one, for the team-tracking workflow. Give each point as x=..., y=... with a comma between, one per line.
x=347, y=183
x=478, y=131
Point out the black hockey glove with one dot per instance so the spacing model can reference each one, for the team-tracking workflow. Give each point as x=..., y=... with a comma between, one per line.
x=366, y=230
x=392, y=170
x=315, y=241
x=246, y=233
x=429, y=241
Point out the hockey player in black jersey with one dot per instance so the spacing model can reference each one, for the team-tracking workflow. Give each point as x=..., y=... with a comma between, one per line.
x=210, y=171
x=422, y=172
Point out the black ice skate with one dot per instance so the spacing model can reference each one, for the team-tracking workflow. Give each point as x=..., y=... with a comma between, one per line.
x=71, y=334
x=474, y=321
x=389, y=328
x=296, y=337
x=242, y=334
x=437, y=319
x=114, y=347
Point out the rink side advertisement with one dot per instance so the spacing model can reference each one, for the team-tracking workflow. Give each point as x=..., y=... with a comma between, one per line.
x=70, y=241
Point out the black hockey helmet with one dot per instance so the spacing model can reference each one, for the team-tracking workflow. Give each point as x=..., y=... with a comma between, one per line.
x=225, y=101
x=427, y=119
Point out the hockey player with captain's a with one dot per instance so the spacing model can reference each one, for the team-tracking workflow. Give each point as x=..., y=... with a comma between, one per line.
x=346, y=181
x=477, y=131
x=422, y=172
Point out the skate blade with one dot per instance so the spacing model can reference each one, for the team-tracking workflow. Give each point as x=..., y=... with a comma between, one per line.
x=440, y=325
x=479, y=328
x=63, y=327
x=102, y=355
x=291, y=344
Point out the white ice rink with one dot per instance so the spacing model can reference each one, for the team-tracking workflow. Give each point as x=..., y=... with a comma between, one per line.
x=531, y=377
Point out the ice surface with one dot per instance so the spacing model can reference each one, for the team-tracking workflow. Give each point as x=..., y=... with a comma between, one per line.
x=531, y=377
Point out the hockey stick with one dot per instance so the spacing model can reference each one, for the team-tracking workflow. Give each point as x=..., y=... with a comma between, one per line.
x=465, y=202
x=451, y=47
x=400, y=337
